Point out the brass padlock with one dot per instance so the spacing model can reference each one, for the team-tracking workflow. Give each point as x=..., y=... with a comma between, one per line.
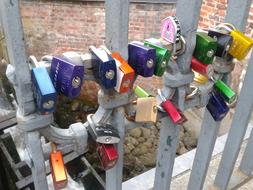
x=146, y=110
x=241, y=45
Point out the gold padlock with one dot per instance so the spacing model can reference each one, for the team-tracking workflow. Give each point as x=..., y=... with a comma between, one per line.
x=241, y=45
x=146, y=110
x=198, y=78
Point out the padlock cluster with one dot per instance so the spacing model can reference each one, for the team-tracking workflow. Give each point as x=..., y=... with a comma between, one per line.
x=212, y=57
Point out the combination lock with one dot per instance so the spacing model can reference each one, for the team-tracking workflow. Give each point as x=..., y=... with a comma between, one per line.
x=102, y=133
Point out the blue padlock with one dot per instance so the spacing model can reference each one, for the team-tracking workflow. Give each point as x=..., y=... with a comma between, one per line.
x=45, y=93
x=67, y=76
x=217, y=107
x=105, y=69
x=142, y=59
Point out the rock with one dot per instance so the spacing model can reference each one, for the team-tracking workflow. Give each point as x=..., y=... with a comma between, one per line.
x=127, y=149
x=146, y=132
x=181, y=133
x=141, y=139
x=148, y=144
x=182, y=149
x=131, y=140
x=75, y=106
x=190, y=141
x=130, y=146
x=136, y=152
x=143, y=149
x=135, y=132
x=148, y=159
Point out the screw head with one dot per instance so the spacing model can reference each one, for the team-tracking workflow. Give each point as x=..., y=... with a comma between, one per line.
x=109, y=74
x=76, y=82
x=126, y=83
x=48, y=105
x=150, y=63
x=210, y=53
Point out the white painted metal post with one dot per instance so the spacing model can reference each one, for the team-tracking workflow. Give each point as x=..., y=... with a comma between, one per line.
x=246, y=165
x=117, y=17
x=206, y=142
x=14, y=36
x=188, y=14
x=237, y=14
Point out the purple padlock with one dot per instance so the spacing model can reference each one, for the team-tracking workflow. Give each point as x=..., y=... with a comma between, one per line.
x=142, y=59
x=67, y=76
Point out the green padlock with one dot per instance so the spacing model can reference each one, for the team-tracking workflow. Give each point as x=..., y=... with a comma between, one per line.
x=162, y=57
x=205, y=49
x=227, y=93
x=140, y=92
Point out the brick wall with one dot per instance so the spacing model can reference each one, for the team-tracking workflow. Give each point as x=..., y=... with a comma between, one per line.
x=58, y=26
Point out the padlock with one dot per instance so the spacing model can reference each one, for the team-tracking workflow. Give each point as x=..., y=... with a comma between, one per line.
x=141, y=59
x=226, y=92
x=241, y=45
x=125, y=74
x=217, y=107
x=67, y=76
x=176, y=116
x=105, y=69
x=224, y=41
x=171, y=30
x=206, y=70
x=198, y=78
x=58, y=170
x=107, y=154
x=102, y=132
x=205, y=48
x=146, y=110
x=140, y=92
x=162, y=57
x=44, y=91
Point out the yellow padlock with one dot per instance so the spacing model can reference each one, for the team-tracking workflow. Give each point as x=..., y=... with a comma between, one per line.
x=241, y=45
x=146, y=110
x=198, y=78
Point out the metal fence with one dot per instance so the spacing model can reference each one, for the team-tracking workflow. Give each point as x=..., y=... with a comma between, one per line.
x=117, y=16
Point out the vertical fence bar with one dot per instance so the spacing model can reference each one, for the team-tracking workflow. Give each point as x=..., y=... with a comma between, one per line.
x=14, y=36
x=188, y=14
x=116, y=30
x=166, y=154
x=206, y=142
x=237, y=131
x=237, y=14
x=246, y=165
x=117, y=18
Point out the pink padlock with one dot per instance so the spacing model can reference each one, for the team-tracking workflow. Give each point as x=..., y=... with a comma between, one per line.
x=171, y=30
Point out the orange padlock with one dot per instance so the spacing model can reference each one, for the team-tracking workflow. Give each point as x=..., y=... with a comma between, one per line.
x=58, y=170
x=125, y=74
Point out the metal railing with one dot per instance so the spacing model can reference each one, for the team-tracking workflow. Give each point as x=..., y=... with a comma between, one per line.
x=117, y=17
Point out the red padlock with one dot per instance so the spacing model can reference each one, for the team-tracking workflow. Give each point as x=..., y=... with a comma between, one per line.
x=206, y=70
x=58, y=170
x=108, y=155
x=176, y=116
